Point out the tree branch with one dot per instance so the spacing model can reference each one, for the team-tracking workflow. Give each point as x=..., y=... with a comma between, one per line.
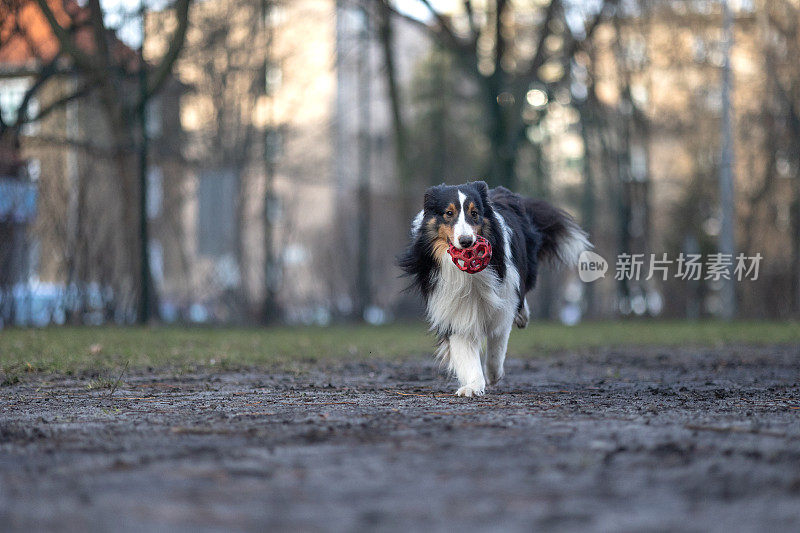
x=100, y=30
x=25, y=36
x=45, y=74
x=164, y=68
x=55, y=104
x=445, y=26
x=539, y=58
x=23, y=118
x=86, y=146
x=471, y=19
x=65, y=40
x=22, y=111
x=414, y=21
x=443, y=34
x=500, y=44
x=577, y=44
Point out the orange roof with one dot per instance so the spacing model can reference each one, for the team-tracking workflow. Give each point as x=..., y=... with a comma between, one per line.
x=25, y=34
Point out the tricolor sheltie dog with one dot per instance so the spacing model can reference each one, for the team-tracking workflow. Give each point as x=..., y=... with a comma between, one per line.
x=466, y=310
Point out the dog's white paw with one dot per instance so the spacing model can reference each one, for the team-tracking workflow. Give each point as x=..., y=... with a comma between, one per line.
x=468, y=391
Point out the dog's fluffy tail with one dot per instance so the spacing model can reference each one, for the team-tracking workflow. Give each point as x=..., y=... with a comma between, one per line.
x=562, y=239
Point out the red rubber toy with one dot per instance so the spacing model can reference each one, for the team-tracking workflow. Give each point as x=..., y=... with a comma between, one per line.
x=473, y=259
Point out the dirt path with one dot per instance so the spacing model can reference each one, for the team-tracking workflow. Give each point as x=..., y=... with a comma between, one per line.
x=634, y=440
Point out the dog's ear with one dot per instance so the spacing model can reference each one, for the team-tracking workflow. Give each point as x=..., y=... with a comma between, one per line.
x=483, y=190
x=429, y=201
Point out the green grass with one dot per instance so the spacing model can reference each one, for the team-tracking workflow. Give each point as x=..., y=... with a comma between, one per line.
x=100, y=350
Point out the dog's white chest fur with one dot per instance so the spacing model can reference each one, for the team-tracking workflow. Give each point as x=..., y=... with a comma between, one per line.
x=472, y=304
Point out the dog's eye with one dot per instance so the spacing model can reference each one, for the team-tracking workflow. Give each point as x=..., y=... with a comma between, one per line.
x=475, y=214
x=448, y=213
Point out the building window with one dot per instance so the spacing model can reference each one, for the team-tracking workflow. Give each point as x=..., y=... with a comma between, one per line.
x=216, y=217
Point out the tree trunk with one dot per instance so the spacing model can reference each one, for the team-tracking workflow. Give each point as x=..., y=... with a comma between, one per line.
x=404, y=174
x=501, y=134
x=363, y=285
x=127, y=269
x=588, y=207
x=727, y=237
x=502, y=162
x=270, y=312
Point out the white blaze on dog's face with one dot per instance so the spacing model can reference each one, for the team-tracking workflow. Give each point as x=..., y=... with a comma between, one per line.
x=463, y=232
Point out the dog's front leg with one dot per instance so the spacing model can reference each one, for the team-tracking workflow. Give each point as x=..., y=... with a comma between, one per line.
x=465, y=361
x=496, y=346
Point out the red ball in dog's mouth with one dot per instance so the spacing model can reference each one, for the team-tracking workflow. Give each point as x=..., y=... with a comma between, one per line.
x=473, y=259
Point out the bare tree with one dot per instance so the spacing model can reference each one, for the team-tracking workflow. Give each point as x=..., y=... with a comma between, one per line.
x=108, y=67
x=506, y=59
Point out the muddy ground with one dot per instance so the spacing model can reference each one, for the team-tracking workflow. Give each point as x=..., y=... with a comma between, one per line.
x=631, y=440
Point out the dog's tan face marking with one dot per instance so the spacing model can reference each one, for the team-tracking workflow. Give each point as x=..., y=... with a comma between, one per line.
x=442, y=234
x=486, y=229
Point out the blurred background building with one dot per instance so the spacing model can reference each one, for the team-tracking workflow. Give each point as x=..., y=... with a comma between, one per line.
x=283, y=147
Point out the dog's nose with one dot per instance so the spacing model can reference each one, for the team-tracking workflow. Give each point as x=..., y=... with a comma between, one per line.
x=465, y=241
